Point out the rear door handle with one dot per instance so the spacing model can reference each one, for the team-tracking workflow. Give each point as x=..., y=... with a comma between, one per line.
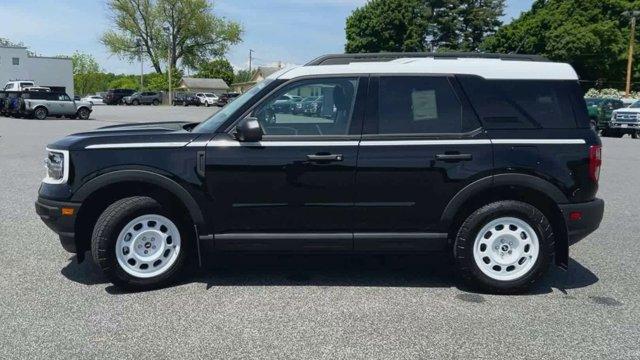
x=454, y=157
x=325, y=157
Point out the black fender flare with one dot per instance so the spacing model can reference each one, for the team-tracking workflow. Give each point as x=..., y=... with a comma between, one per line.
x=522, y=180
x=161, y=181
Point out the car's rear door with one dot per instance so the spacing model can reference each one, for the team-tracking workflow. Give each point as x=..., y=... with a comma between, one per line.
x=294, y=189
x=421, y=145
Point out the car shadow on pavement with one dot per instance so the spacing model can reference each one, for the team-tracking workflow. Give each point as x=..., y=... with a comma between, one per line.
x=428, y=271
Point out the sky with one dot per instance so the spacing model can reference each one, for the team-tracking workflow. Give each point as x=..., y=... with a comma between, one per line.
x=287, y=31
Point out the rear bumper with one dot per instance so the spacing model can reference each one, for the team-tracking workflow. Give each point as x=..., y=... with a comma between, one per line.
x=591, y=214
x=50, y=213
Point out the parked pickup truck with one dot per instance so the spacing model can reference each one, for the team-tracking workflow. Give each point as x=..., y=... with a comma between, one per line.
x=43, y=104
x=600, y=111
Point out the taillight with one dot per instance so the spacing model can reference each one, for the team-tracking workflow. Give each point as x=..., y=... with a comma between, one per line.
x=595, y=162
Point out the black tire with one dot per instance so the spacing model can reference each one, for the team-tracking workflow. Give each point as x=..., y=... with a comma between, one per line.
x=108, y=228
x=40, y=113
x=156, y=102
x=135, y=102
x=465, y=240
x=83, y=113
x=634, y=135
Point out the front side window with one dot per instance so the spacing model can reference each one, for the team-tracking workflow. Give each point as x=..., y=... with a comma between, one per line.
x=64, y=97
x=16, y=61
x=285, y=114
x=418, y=105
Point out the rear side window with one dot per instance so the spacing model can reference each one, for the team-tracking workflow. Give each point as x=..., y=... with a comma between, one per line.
x=522, y=104
x=418, y=105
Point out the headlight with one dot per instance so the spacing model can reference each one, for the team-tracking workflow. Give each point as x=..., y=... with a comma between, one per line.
x=57, y=166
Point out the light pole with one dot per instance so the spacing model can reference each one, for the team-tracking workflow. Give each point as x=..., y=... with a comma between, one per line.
x=167, y=28
x=632, y=41
x=139, y=46
x=250, y=59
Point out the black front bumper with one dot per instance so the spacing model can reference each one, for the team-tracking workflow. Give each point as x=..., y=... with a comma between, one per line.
x=591, y=216
x=64, y=225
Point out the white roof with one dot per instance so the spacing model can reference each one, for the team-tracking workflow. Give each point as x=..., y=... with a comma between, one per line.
x=487, y=68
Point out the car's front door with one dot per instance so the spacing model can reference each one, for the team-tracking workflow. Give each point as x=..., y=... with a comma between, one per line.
x=421, y=145
x=294, y=189
x=63, y=105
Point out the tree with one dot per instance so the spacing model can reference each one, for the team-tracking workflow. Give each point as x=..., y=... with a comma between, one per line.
x=462, y=25
x=160, y=82
x=86, y=73
x=419, y=25
x=388, y=25
x=194, y=33
x=592, y=35
x=217, y=69
x=243, y=76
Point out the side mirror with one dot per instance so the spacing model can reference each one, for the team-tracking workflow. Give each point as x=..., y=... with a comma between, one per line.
x=249, y=130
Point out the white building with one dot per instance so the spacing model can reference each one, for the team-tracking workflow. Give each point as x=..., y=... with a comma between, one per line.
x=16, y=64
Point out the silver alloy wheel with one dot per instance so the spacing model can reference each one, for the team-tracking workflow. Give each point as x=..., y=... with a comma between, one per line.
x=148, y=246
x=506, y=249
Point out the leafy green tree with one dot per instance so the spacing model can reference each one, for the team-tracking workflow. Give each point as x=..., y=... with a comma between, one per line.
x=592, y=35
x=124, y=82
x=160, y=82
x=193, y=34
x=243, y=76
x=388, y=25
x=86, y=73
x=419, y=25
x=217, y=69
x=462, y=25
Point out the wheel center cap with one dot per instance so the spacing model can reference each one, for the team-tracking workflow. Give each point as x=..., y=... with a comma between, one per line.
x=147, y=245
x=505, y=247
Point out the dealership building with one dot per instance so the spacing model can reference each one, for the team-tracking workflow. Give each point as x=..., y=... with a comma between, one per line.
x=17, y=64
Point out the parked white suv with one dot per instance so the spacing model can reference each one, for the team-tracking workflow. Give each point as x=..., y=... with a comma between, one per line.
x=207, y=99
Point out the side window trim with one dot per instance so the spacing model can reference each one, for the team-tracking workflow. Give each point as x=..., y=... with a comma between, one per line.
x=358, y=112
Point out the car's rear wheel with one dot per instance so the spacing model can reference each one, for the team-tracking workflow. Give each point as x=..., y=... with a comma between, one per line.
x=83, y=113
x=140, y=244
x=156, y=102
x=504, y=247
x=40, y=113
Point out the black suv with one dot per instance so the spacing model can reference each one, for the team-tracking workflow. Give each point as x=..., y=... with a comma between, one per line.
x=490, y=159
x=115, y=96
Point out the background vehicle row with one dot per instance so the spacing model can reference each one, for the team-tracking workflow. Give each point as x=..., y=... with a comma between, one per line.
x=41, y=104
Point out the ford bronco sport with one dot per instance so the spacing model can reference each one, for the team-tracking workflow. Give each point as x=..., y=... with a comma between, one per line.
x=487, y=157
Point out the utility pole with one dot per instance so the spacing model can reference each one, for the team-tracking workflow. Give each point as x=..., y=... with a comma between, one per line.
x=250, y=59
x=139, y=45
x=167, y=29
x=632, y=41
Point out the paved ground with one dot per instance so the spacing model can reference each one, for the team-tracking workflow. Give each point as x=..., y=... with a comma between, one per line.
x=301, y=306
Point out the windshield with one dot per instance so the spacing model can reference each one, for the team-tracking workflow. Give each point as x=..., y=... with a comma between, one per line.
x=635, y=105
x=209, y=95
x=592, y=102
x=221, y=116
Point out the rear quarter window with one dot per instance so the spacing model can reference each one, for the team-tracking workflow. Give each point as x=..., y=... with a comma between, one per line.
x=523, y=104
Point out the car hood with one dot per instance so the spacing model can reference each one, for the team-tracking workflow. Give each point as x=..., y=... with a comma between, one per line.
x=159, y=134
x=627, y=110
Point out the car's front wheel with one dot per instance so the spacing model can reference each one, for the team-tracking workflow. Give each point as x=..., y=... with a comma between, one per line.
x=83, y=113
x=504, y=247
x=139, y=244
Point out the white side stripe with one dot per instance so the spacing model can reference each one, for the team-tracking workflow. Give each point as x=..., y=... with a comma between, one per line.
x=423, y=142
x=538, y=141
x=137, y=145
x=232, y=143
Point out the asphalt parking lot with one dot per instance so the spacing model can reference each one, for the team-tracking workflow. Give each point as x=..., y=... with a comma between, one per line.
x=351, y=307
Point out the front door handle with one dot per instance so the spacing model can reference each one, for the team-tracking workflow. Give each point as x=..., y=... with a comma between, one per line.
x=325, y=157
x=454, y=157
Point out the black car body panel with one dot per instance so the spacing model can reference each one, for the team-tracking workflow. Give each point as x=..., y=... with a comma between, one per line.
x=381, y=192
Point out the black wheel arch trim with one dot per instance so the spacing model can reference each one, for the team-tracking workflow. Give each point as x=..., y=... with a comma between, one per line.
x=523, y=180
x=162, y=181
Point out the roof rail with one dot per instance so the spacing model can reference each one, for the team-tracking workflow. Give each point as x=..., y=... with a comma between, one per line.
x=343, y=59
